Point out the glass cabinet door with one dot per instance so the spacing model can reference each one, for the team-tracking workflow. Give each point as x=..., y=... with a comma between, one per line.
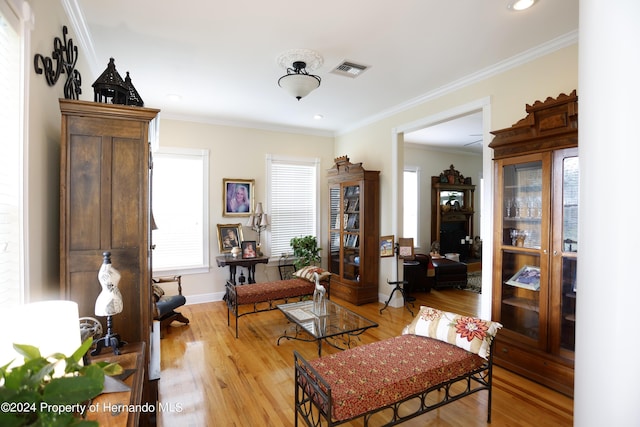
x=344, y=235
x=335, y=218
x=523, y=265
x=351, y=232
x=565, y=250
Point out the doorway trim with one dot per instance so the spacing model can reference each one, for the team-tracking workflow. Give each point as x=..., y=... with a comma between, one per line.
x=486, y=209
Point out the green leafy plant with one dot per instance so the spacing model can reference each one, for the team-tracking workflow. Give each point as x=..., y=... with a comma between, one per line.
x=31, y=396
x=306, y=251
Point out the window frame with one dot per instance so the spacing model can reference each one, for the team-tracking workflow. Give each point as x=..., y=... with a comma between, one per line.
x=313, y=162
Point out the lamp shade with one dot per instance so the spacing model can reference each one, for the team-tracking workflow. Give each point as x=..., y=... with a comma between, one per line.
x=298, y=82
x=251, y=222
x=299, y=85
x=51, y=326
x=259, y=210
x=264, y=221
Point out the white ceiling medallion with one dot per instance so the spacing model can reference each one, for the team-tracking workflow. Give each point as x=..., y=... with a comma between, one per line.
x=312, y=58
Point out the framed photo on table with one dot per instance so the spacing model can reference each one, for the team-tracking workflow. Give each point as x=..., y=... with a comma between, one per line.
x=229, y=235
x=237, y=197
x=386, y=246
x=249, y=249
x=405, y=250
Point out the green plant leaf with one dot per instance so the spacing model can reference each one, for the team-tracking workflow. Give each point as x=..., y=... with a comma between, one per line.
x=69, y=390
x=82, y=350
x=27, y=351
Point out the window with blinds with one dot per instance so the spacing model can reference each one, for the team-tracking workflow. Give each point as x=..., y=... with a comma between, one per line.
x=11, y=276
x=293, y=201
x=180, y=205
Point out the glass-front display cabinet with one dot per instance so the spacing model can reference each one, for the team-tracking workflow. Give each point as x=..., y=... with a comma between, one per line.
x=536, y=242
x=354, y=231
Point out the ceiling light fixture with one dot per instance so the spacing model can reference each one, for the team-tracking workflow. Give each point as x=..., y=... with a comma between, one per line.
x=298, y=81
x=518, y=5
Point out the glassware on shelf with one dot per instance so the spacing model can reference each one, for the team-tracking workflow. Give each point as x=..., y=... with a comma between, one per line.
x=518, y=237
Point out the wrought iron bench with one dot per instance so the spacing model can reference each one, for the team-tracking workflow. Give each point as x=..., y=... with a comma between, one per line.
x=258, y=297
x=394, y=380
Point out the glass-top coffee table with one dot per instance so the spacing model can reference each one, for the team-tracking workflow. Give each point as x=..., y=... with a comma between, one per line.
x=337, y=328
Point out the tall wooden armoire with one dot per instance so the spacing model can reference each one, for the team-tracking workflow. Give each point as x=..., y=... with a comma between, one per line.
x=105, y=206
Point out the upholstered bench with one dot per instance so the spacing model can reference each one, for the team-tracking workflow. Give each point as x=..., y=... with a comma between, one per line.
x=449, y=273
x=257, y=297
x=441, y=357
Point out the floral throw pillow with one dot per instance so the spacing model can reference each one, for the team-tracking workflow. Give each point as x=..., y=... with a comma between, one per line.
x=470, y=333
x=307, y=273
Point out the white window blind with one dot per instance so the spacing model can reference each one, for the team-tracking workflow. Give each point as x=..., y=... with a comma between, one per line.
x=10, y=160
x=293, y=201
x=180, y=200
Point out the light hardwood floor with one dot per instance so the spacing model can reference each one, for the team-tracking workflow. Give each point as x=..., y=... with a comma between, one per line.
x=214, y=379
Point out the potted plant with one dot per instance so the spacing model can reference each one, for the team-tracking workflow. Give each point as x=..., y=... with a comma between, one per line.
x=32, y=395
x=306, y=251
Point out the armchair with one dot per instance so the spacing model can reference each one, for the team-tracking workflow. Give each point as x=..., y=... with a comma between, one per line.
x=165, y=305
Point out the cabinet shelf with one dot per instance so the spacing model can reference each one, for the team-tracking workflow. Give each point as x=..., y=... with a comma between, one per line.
x=525, y=303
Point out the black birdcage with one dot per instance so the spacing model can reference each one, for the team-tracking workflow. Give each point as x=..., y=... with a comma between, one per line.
x=133, y=97
x=109, y=87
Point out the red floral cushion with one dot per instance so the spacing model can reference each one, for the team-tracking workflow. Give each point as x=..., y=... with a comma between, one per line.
x=378, y=374
x=470, y=333
x=269, y=291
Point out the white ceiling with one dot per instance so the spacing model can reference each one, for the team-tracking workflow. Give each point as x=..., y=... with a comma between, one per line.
x=219, y=57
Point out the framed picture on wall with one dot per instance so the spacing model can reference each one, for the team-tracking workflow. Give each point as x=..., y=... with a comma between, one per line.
x=237, y=196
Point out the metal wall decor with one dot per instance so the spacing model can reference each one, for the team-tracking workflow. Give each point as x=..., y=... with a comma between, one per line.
x=65, y=56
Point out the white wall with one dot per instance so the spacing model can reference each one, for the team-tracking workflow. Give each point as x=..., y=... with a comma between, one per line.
x=42, y=154
x=241, y=153
x=432, y=162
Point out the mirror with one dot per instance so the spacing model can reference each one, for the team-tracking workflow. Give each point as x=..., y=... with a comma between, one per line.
x=449, y=197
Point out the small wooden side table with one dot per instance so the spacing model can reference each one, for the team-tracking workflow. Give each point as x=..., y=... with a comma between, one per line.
x=115, y=409
x=249, y=263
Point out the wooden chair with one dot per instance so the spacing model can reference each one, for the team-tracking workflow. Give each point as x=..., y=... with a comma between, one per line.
x=165, y=305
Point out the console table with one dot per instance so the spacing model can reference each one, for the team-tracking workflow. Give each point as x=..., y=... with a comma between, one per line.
x=249, y=263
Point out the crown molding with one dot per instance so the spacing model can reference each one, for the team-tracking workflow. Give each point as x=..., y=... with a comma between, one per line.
x=512, y=62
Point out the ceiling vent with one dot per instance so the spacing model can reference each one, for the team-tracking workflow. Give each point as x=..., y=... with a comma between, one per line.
x=350, y=69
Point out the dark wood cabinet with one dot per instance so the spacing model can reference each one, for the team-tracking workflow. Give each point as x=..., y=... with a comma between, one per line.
x=536, y=242
x=452, y=210
x=354, y=231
